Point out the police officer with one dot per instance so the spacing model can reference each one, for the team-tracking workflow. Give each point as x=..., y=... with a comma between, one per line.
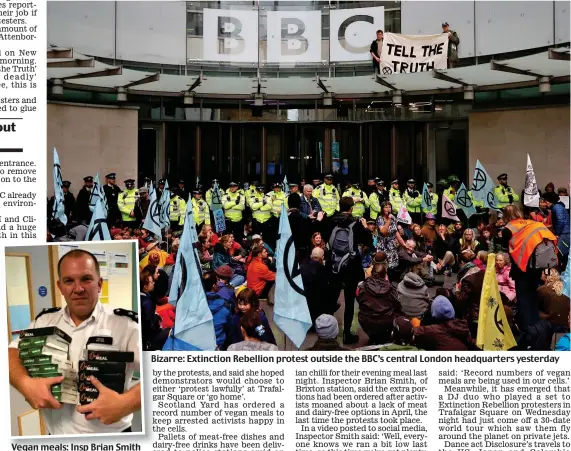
x=316, y=182
x=453, y=185
x=434, y=199
x=82, y=212
x=177, y=210
x=293, y=188
x=359, y=198
x=68, y=199
x=80, y=283
x=395, y=197
x=200, y=209
x=182, y=193
x=328, y=197
x=160, y=188
x=142, y=205
x=261, y=206
x=505, y=193
x=208, y=194
x=112, y=193
x=234, y=203
x=413, y=200
x=376, y=199
x=126, y=203
x=278, y=197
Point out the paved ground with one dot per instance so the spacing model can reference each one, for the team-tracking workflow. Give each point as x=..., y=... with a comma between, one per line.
x=285, y=344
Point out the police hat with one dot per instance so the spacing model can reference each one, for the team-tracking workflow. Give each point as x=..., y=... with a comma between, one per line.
x=429, y=185
x=445, y=24
x=231, y=184
x=502, y=176
x=453, y=179
x=66, y=184
x=214, y=181
x=293, y=184
x=161, y=181
x=356, y=184
x=129, y=181
x=181, y=182
x=148, y=179
x=395, y=182
x=411, y=182
x=277, y=185
x=377, y=179
x=196, y=191
x=380, y=183
x=260, y=188
x=329, y=176
x=88, y=179
x=111, y=176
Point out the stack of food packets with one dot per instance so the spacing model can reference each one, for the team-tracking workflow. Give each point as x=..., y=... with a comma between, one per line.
x=107, y=366
x=44, y=353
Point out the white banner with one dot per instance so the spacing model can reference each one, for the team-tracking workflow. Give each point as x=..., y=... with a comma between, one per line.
x=352, y=31
x=230, y=35
x=293, y=36
x=405, y=54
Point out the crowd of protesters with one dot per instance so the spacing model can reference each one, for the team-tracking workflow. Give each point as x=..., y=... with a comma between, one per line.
x=350, y=240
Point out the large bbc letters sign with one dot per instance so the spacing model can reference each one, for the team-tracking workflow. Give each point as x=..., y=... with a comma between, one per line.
x=230, y=35
x=294, y=36
x=352, y=31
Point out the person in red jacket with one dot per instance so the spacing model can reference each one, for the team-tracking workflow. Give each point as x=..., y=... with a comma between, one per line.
x=259, y=277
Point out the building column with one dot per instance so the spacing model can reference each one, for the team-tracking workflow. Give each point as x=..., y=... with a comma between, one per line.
x=360, y=149
x=264, y=158
x=430, y=147
x=327, y=141
x=197, y=160
x=394, y=152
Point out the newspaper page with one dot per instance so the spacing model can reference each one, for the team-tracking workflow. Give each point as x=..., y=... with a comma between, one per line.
x=139, y=267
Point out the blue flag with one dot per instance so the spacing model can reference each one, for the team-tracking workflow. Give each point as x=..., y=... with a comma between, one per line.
x=193, y=327
x=58, y=211
x=464, y=201
x=426, y=198
x=291, y=313
x=285, y=185
x=98, y=230
x=217, y=211
x=483, y=187
x=153, y=219
x=98, y=194
x=164, y=206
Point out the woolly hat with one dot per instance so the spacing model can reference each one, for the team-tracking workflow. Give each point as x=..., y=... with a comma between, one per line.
x=326, y=327
x=442, y=308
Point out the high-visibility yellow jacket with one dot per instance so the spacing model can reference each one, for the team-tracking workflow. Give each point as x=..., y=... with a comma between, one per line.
x=434, y=208
x=413, y=204
x=252, y=191
x=395, y=200
x=359, y=207
x=477, y=203
x=374, y=205
x=450, y=194
x=277, y=200
x=505, y=195
x=201, y=211
x=328, y=197
x=233, y=204
x=126, y=203
x=261, y=206
x=177, y=209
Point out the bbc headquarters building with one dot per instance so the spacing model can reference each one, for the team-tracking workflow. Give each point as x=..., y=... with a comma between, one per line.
x=258, y=90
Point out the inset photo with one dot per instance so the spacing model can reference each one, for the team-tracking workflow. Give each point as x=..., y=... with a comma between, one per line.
x=74, y=339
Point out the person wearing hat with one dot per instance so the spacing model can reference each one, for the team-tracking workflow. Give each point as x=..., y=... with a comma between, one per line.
x=68, y=199
x=402, y=336
x=328, y=196
x=413, y=201
x=278, y=197
x=293, y=188
x=316, y=182
x=160, y=188
x=177, y=209
x=434, y=199
x=561, y=224
x=251, y=192
x=142, y=205
x=453, y=185
x=234, y=203
x=327, y=329
x=505, y=193
x=182, y=192
x=376, y=198
x=200, y=209
x=112, y=192
x=453, y=41
x=359, y=197
x=395, y=197
x=208, y=194
x=126, y=203
x=429, y=230
x=371, y=186
x=82, y=212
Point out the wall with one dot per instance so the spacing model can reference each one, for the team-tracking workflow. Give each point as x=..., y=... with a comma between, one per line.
x=501, y=140
x=92, y=139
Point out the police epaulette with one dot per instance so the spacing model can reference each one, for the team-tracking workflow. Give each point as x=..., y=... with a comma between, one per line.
x=128, y=313
x=48, y=310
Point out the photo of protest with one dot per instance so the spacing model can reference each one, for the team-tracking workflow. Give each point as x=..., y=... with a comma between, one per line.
x=401, y=204
x=74, y=339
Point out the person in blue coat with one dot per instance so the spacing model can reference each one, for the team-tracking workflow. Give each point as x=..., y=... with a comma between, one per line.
x=217, y=306
x=561, y=226
x=246, y=301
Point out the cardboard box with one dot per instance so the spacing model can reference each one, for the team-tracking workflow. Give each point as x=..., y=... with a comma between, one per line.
x=102, y=367
x=45, y=360
x=105, y=378
x=42, y=351
x=89, y=388
x=45, y=331
x=51, y=340
x=110, y=356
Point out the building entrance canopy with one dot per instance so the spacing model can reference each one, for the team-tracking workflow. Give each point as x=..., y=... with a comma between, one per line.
x=75, y=71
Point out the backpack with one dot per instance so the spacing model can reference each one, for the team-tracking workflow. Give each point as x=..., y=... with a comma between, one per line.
x=341, y=245
x=544, y=256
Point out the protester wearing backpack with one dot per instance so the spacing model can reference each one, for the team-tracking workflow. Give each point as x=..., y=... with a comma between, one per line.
x=345, y=262
x=531, y=249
